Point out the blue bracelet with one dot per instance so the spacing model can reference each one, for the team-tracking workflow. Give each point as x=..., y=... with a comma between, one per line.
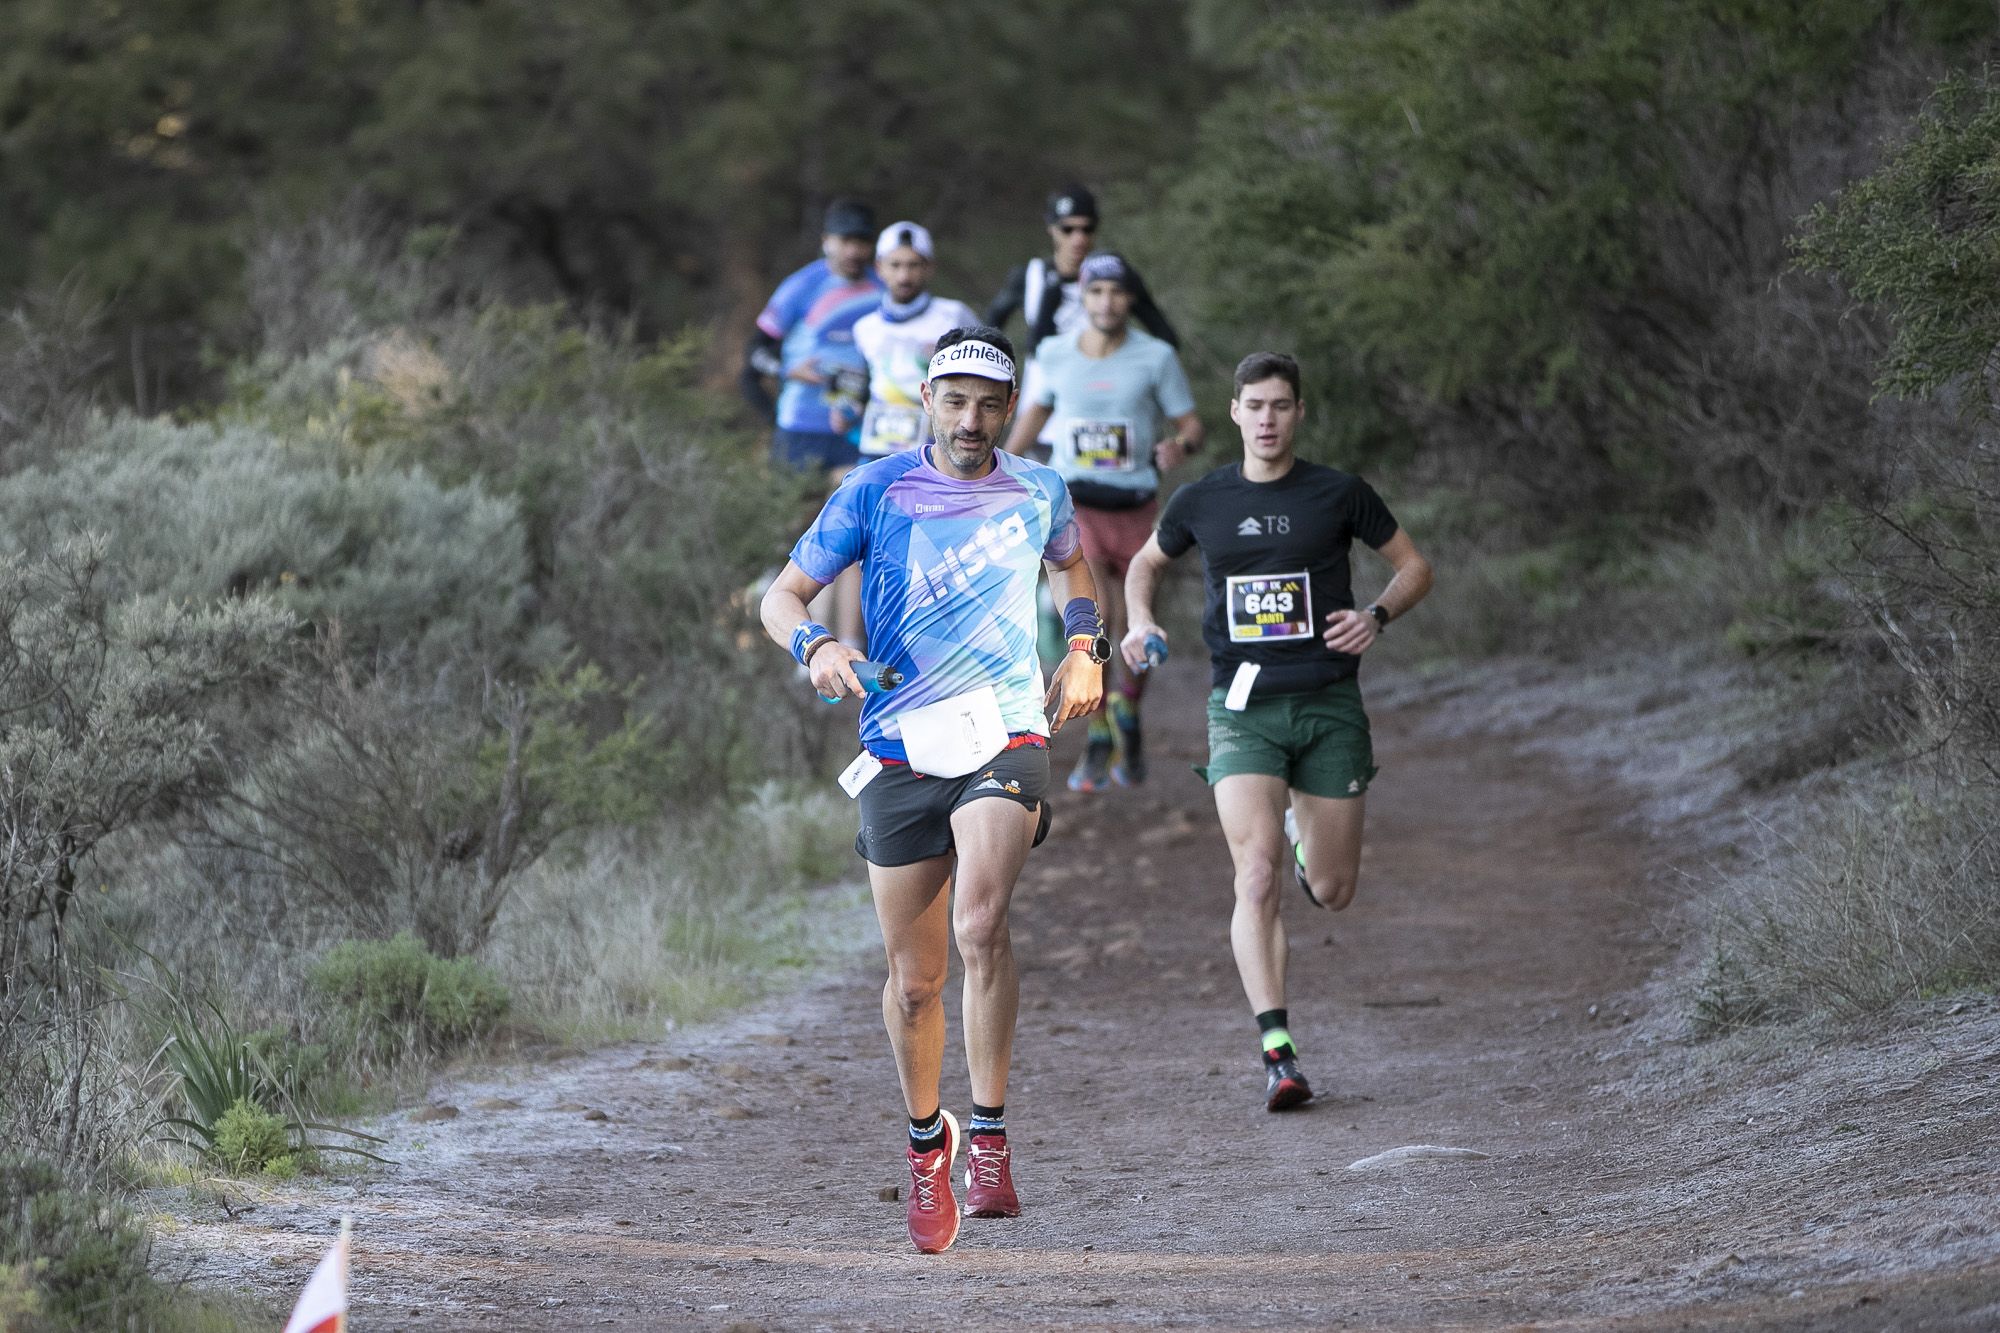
x=804, y=636
x=1080, y=617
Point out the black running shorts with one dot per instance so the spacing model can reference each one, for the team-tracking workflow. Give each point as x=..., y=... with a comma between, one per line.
x=906, y=817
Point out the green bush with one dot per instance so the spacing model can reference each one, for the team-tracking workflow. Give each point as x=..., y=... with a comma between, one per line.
x=85, y=1257
x=226, y=1082
x=248, y=1138
x=202, y=512
x=400, y=997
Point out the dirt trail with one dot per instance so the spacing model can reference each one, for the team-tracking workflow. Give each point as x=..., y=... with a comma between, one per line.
x=1486, y=991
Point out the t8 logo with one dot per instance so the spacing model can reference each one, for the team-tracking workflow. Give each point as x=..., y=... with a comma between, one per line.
x=960, y=565
x=1269, y=523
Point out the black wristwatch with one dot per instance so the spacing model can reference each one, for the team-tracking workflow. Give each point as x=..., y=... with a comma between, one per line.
x=1099, y=650
x=1376, y=610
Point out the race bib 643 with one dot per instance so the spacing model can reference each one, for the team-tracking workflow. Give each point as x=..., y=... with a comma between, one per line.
x=1264, y=607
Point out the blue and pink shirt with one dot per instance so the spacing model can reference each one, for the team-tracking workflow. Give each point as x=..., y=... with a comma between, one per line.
x=813, y=314
x=948, y=573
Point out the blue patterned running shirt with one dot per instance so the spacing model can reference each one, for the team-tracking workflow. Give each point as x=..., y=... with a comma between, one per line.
x=948, y=572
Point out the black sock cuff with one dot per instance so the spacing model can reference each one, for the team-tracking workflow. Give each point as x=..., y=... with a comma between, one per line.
x=1273, y=1018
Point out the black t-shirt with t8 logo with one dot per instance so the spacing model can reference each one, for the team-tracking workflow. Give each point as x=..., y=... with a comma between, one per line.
x=1275, y=557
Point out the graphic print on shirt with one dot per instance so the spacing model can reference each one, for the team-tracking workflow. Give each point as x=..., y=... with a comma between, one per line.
x=949, y=570
x=813, y=314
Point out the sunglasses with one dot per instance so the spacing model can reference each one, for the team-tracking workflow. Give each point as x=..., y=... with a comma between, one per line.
x=1073, y=228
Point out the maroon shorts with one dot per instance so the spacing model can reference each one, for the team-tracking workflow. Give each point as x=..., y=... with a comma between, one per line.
x=1111, y=537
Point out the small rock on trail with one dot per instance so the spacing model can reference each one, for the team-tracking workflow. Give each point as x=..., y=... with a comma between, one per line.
x=1417, y=1152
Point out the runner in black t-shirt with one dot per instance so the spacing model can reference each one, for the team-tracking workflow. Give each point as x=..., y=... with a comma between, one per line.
x=1285, y=711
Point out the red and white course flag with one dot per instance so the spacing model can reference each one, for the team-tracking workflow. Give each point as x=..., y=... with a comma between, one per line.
x=322, y=1306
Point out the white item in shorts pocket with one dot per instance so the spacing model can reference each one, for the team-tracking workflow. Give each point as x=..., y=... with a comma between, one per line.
x=1238, y=697
x=859, y=774
x=951, y=737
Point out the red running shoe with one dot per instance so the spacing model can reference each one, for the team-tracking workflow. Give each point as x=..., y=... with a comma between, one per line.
x=933, y=1210
x=989, y=1183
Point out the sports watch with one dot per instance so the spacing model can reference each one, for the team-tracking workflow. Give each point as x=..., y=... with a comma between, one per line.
x=1098, y=646
x=1381, y=615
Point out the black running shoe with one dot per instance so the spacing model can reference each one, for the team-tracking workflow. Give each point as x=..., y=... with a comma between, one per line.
x=1285, y=1085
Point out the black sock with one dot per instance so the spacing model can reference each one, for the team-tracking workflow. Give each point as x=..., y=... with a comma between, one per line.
x=927, y=1132
x=1277, y=1041
x=988, y=1121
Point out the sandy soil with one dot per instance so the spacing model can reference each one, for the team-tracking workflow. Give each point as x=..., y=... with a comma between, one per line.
x=1491, y=990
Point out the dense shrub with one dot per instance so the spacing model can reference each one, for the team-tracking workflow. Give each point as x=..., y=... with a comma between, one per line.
x=110, y=714
x=400, y=997
x=405, y=567
x=84, y=1257
x=1539, y=245
x=249, y=1139
x=1918, y=240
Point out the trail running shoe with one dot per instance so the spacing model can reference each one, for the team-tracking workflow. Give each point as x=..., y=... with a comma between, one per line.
x=989, y=1182
x=933, y=1210
x=1129, y=768
x=1285, y=1086
x=1093, y=771
x=1298, y=858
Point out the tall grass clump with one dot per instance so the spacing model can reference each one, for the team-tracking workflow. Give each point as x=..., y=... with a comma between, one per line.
x=639, y=930
x=1882, y=899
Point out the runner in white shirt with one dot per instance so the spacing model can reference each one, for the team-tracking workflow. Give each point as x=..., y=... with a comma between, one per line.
x=898, y=340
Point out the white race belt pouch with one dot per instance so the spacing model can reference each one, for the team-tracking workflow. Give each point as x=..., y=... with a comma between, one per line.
x=952, y=737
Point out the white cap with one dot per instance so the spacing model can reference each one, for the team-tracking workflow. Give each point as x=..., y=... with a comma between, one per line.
x=972, y=357
x=899, y=234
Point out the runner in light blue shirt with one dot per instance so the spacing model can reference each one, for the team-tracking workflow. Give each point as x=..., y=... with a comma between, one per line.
x=1116, y=404
x=952, y=784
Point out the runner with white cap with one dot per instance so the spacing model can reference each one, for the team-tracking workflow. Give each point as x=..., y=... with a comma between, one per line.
x=951, y=538
x=899, y=337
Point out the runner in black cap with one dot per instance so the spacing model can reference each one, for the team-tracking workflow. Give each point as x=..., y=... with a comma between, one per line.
x=1045, y=291
x=805, y=340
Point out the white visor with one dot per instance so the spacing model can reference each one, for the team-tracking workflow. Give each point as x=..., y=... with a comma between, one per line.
x=972, y=357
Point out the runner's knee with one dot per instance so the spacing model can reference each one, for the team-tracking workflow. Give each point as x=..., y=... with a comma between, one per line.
x=915, y=993
x=1335, y=892
x=982, y=931
x=1257, y=885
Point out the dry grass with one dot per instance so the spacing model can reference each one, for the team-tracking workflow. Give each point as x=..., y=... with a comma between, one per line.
x=631, y=935
x=1886, y=898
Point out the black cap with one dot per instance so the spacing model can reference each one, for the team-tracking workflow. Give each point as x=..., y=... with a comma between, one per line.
x=849, y=217
x=1107, y=267
x=1072, y=201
